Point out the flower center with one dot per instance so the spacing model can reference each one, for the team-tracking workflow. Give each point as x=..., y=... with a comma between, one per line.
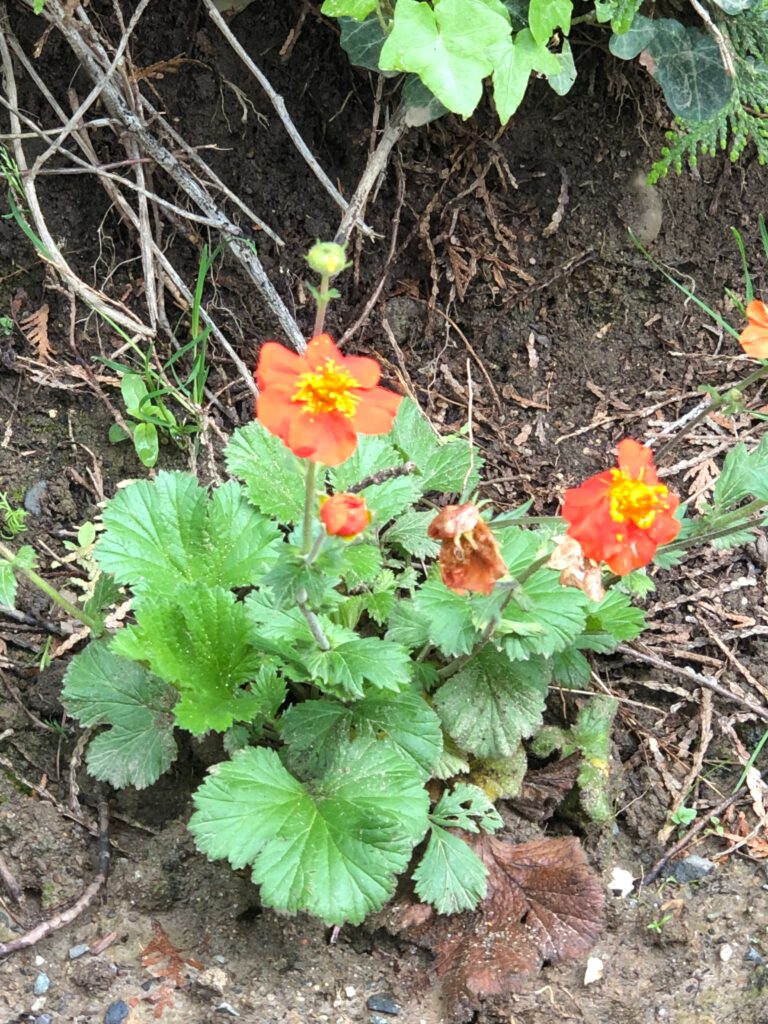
x=328, y=390
x=634, y=500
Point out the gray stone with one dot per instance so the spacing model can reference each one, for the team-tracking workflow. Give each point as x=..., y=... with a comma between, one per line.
x=76, y=952
x=42, y=984
x=116, y=1012
x=382, y=1002
x=690, y=869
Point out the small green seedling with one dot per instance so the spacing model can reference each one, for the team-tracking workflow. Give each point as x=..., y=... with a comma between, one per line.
x=147, y=412
x=683, y=816
x=658, y=925
x=13, y=521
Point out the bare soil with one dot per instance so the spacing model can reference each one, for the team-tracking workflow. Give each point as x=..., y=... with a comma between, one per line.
x=514, y=281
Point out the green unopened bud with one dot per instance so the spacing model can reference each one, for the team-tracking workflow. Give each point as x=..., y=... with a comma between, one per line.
x=327, y=258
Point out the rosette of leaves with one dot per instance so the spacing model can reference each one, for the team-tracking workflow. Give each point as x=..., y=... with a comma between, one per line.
x=332, y=744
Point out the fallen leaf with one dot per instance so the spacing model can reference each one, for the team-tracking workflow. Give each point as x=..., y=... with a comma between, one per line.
x=543, y=904
x=544, y=788
x=35, y=329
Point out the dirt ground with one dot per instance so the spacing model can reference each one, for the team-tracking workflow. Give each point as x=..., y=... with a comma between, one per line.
x=513, y=278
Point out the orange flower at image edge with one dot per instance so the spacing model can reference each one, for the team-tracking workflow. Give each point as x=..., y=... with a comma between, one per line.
x=754, y=338
x=344, y=515
x=622, y=515
x=469, y=555
x=317, y=403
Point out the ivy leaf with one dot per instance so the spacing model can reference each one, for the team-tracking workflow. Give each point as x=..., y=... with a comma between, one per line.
x=488, y=706
x=165, y=533
x=362, y=42
x=201, y=643
x=273, y=475
x=353, y=661
x=620, y=13
x=450, y=875
x=334, y=851
x=357, y=9
x=448, y=616
x=449, y=47
x=101, y=688
x=315, y=729
x=744, y=474
x=686, y=63
x=544, y=16
x=459, y=807
x=513, y=68
x=611, y=622
x=422, y=106
x=562, y=82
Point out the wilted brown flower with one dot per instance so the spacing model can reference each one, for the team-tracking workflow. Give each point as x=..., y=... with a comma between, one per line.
x=469, y=556
x=576, y=570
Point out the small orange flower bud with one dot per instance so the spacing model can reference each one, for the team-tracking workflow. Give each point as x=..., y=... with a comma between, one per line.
x=469, y=556
x=345, y=515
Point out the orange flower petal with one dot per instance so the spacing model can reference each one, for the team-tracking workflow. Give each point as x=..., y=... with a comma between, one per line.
x=376, y=411
x=754, y=338
x=331, y=441
x=279, y=367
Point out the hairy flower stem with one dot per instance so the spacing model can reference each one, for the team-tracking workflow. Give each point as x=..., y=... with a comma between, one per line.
x=715, y=403
x=312, y=621
x=309, y=509
x=72, y=610
x=725, y=526
x=323, y=298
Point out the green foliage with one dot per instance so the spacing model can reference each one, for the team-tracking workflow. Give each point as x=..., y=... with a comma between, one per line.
x=24, y=558
x=101, y=688
x=590, y=735
x=334, y=850
x=273, y=476
x=12, y=520
x=742, y=116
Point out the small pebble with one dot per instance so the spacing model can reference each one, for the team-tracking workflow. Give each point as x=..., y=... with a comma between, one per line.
x=214, y=979
x=33, y=498
x=227, y=1009
x=350, y=991
x=691, y=869
x=220, y=959
x=39, y=961
x=42, y=984
x=376, y=1019
x=726, y=952
x=44, y=1018
x=754, y=956
x=77, y=951
x=116, y=1012
x=38, y=1004
x=380, y=1002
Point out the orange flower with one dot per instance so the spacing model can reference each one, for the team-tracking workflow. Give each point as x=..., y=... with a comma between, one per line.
x=344, y=515
x=469, y=555
x=754, y=338
x=622, y=515
x=318, y=402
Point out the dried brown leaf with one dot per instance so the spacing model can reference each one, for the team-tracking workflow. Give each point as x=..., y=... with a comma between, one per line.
x=35, y=329
x=543, y=904
x=543, y=789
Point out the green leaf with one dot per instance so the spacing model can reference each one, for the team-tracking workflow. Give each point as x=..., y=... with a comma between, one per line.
x=146, y=443
x=386, y=499
x=490, y=705
x=201, y=643
x=291, y=574
x=450, y=875
x=353, y=661
x=744, y=474
x=620, y=13
x=513, y=69
x=334, y=852
x=165, y=533
x=315, y=729
x=448, y=50
x=362, y=42
x=459, y=807
x=273, y=475
x=133, y=389
x=544, y=16
x=8, y=584
x=101, y=688
x=501, y=778
x=563, y=81
x=687, y=65
x=542, y=616
x=357, y=9
x=361, y=564
x=448, y=615
x=591, y=736
x=443, y=463
x=407, y=626
x=105, y=594
x=409, y=531
x=609, y=623
x=116, y=434
x=422, y=106
x=570, y=669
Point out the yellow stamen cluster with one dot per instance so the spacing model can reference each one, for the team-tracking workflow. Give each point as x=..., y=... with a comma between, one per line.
x=635, y=500
x=327, y=391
